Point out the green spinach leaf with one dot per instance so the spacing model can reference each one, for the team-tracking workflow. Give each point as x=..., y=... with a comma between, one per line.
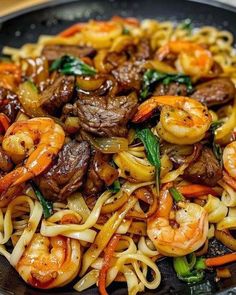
x=115, y=187
x=47, y=205
x=152, y=146
x=151, y=77
x=70, y=65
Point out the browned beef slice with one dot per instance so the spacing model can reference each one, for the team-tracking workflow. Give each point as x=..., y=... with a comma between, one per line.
x=106, y=116
x=9, y=103
x=57, y=94
x=52, y=52
x=214, y=92
x=143, y=50
x=94, y=184
x=205, y=170
x=171, y=89
x=129, y=75
x=67, y=173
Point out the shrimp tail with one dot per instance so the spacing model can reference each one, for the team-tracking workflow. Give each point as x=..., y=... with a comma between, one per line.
x=145, y=110
x=26, y=175
x=9, y=179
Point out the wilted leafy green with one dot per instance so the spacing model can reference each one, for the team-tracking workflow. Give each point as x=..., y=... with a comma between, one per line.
x=70, y=65
x=151, y=77
x=217, y=150
x=152, y=146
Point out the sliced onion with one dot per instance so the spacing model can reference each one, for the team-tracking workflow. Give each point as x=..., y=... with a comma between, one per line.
x=160, y=66
x=110, y=145
x=89, y=84
x=225, y=237
x=87, y=281
x=30, y=99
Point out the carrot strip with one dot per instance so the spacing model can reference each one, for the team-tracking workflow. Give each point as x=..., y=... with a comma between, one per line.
x=196, y=190
x=106, y=264
x=220, y=260
x=72, y=30
x=229, y=180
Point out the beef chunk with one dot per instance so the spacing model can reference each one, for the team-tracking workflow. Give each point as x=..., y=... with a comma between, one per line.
x=94, y=184
x=129, y=75
x=9, y=103
x=214, y=92
x=143, y=50
x=52, y=52
x=171, y=89
x=67, y=173
x=57, y=94
x=205, y=169
x=106, y=116
x=100, y=173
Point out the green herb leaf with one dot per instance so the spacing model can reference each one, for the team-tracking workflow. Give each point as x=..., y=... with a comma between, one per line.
x=70, y=65
x=177, y=196
x=115, y=187
x=152, y=146
x=151, y=77
x=47, y=205
x=215, y=125
x=187, y=25
x=125, y=31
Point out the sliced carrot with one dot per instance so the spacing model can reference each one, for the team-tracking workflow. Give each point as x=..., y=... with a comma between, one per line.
x=196, y=190
x=229, y=180
x=220, y=260
x=72, y=30
x=108, y=253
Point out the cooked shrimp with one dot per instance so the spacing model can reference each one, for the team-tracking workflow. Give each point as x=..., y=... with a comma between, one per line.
x=50, y=262
x=20, y=141
x=193, y=59
x=189, y=230
x=229, y=159
x=183, y=120
x=101, y=34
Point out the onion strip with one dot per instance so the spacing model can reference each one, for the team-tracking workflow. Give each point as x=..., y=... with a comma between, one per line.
x=104, y=236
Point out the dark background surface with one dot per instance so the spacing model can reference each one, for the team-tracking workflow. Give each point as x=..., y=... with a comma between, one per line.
x=23, y=27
